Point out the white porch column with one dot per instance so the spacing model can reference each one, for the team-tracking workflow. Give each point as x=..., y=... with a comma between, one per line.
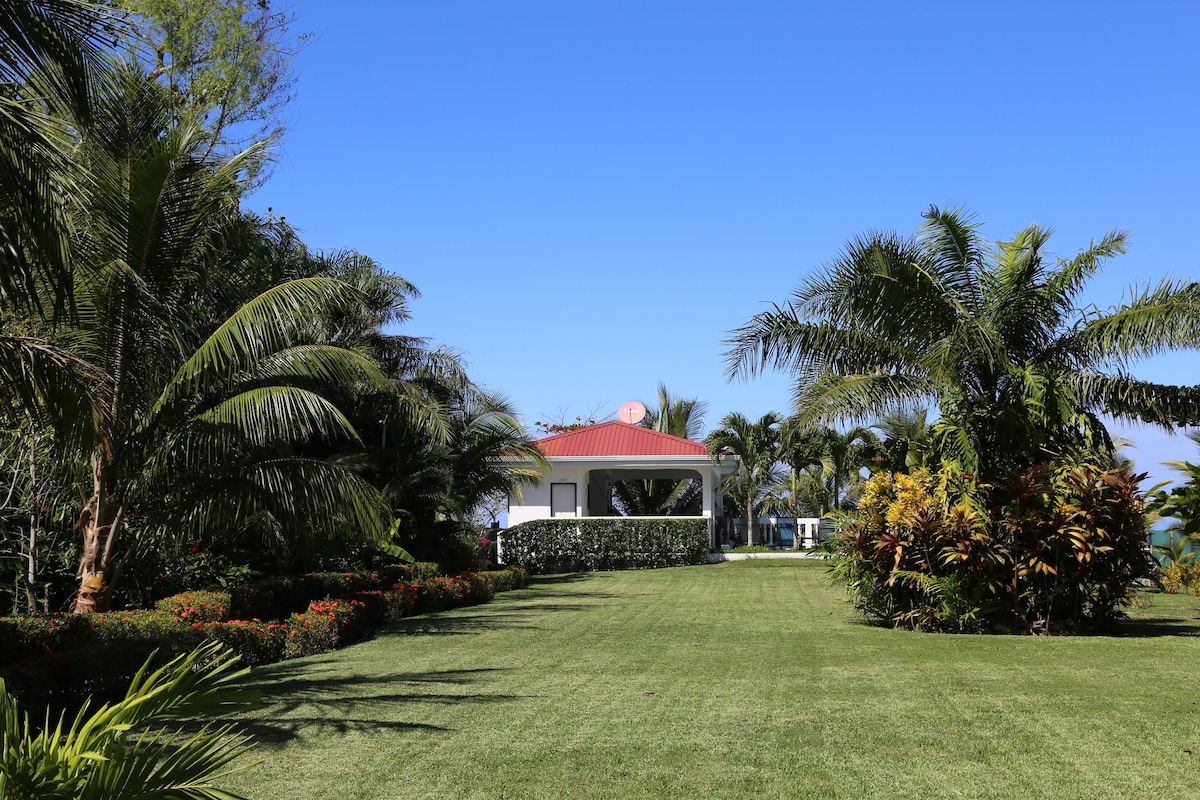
x=707, y=486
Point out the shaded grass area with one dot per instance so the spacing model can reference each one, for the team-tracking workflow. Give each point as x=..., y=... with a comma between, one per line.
x=747, y=679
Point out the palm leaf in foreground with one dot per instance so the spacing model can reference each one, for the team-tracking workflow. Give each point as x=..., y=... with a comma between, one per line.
x=113, y=754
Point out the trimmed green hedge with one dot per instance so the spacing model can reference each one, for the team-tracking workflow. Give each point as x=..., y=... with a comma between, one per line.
x=60, y=660
x=604, y=543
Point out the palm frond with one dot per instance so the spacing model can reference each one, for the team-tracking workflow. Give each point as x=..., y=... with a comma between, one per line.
x=1156, y=319
x=859, y=397
x=51, y=384
x=268, y=324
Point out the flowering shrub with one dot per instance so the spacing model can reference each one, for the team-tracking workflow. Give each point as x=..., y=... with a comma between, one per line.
x=386, y=605
x=1181, y=575
x=278, y=598
x=196, y=606
x=325, y=626
x=257, y=642
x=64, y=658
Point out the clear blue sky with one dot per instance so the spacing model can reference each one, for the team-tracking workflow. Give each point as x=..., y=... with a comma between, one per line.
x=590, y=195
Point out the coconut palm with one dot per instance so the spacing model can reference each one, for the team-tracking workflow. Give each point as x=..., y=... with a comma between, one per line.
x=994, y=335
x=756, y=444
x=201, y=428
x=826, y=461
x=1182, y=502
x=50, y=59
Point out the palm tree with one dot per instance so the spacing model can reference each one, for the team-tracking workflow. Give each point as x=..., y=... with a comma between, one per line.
x=1182, y=503
x=200, y=428
x=756, y=444
x=677, y=416
x=993, y=335
x=907, y=439
x=834, y=459
x=489, y=453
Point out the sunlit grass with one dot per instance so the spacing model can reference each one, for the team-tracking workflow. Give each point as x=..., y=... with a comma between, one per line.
x=747, y=679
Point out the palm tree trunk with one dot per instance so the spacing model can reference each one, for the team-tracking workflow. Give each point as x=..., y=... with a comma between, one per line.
x=99, y=522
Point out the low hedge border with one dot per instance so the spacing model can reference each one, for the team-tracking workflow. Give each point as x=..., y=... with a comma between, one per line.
x=605, y=543
x=63, y=659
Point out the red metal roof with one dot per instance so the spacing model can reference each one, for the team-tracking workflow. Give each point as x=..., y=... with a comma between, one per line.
x=618, y=439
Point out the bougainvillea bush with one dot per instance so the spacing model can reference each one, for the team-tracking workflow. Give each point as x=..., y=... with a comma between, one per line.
x=1055, y=548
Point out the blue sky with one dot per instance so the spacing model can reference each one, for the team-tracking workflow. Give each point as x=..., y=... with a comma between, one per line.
x=590, y=196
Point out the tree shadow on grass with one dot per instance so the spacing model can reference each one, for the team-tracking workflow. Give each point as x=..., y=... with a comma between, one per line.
x=304, y=699
x=1150, y=628
x=567, y=577
x=274, y=733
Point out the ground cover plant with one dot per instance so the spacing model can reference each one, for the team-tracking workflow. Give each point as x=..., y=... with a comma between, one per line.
x=749, y=679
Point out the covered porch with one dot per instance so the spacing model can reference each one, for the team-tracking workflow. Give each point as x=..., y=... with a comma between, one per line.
x=589, y=465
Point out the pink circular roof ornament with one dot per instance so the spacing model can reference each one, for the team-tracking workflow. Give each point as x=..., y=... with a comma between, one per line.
x=632, y=412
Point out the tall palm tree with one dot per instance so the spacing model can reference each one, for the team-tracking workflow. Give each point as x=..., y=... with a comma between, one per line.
x=677, y=416
x=756, y=444
x=834, y=459
x=994, y=335
x=200, y=428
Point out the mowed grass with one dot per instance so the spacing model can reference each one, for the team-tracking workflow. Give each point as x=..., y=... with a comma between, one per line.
x=742, y=680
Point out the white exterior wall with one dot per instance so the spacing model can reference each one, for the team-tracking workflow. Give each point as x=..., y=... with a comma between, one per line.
x=537, y=498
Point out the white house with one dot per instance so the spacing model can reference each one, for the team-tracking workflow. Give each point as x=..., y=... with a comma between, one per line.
x=584, y=463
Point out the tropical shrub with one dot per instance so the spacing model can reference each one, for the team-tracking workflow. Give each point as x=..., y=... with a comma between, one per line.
x=1183, y=574
x=278, y=598
x=1053, y=548
x=257, y=642
x=604, y=543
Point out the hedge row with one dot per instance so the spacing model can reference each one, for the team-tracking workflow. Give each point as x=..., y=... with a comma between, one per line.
x=604, y=543
x=60, y=660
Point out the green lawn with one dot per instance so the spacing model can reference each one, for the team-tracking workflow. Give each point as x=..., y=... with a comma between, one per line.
x=746, y=679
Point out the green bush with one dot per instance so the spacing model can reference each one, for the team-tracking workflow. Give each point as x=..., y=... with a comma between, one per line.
x=1183, y=574
x=256, y=642
x=507, y=579
x=605, y=543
